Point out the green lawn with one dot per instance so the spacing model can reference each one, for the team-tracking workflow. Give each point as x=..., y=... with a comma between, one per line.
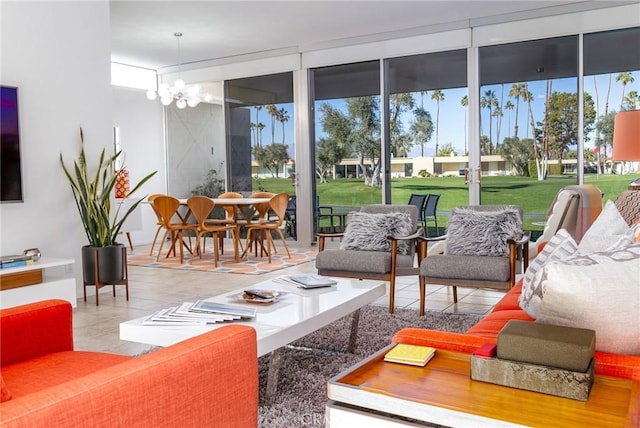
x=533, y=195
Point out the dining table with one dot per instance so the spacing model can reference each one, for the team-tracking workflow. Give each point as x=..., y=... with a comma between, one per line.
x=245, y=209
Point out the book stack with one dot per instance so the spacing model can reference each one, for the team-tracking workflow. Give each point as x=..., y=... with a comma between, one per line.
x=410, y=354
x=308, y=281
x=15, y=261
x=200, y=312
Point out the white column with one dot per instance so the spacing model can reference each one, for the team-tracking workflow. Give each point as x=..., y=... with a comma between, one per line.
x=473, y=127
x=304, y=157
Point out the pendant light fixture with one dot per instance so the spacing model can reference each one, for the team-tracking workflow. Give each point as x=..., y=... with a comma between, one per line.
x=184, y=95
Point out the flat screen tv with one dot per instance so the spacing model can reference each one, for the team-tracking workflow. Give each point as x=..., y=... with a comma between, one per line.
x=10, y=164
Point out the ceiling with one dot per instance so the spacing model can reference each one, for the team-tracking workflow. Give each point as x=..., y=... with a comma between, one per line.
x=142, y=32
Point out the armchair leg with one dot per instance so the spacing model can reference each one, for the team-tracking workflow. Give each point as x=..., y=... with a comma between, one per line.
x=392, y=293
x=423, y=296
x=455, y=294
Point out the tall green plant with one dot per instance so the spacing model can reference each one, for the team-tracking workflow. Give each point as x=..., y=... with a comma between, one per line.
x=92, y=193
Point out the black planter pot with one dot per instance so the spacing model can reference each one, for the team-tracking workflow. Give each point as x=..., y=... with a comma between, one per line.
x=111, y=264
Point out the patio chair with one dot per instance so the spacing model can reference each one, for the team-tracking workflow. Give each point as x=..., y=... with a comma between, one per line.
x=429, y=212
x=379, y=242
x=419, y=200
x=481, y=248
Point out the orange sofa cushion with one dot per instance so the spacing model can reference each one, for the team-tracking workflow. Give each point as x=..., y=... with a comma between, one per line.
x=43, y=372
x=491, y=325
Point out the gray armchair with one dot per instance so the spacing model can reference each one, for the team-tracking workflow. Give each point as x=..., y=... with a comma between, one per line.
x=382, y=255
x=481, y=250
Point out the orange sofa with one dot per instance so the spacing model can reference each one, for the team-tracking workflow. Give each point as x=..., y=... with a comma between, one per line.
x=209, y=380
x=486, y=331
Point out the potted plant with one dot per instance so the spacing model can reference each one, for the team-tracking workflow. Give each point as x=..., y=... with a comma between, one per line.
x=92, y=193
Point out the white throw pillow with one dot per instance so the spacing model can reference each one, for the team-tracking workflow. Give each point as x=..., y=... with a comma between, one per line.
x=608, y=228
x=559, y=247
x=603, y=296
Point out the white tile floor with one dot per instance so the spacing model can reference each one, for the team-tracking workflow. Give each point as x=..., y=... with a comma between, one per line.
x=96, y=328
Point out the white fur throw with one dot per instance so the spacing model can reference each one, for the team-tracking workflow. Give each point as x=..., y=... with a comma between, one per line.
x=482, y=233
x=368, y=232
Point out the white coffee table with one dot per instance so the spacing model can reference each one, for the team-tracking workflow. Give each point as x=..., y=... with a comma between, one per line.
x=297, y=313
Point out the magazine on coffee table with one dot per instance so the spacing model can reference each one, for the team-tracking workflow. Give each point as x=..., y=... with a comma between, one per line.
x=312, y=281
x=205, y=306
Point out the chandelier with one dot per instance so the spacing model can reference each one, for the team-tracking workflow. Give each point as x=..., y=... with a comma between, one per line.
x=183, y=94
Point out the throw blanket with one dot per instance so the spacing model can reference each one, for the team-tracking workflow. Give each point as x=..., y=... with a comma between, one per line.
x=590, y=206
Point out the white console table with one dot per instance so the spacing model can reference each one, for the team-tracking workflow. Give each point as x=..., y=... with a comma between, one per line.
x=48, y=278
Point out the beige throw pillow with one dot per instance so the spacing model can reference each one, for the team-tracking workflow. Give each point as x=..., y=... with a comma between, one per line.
x=559, y=247
x=601, y=292
x=605, y=230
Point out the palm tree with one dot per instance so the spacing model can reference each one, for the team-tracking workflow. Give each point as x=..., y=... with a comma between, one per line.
x=465, y=103
x=282, y=117
x=624, y=78
x=257, y=124
x=509, y=106
x=437, y=96
x=516, y=92
x=422, y=95
x=497, y=113
x=260, y=127
x=632, y=99
x=527, y=97
x=490, y=101
x=273, y=112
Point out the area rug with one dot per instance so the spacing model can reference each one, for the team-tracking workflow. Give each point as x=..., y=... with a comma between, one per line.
x=310, y=362
x=226, y=264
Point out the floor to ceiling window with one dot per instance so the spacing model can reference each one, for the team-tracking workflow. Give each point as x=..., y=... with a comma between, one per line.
x=528, y=121
x=427, y=123
x=260, y=137
x=346, y=106
x=612, y=77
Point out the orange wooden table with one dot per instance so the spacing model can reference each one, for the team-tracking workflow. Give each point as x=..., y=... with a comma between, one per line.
x=442, y=392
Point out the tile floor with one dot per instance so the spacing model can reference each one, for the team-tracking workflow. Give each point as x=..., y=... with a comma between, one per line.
x=96, y=328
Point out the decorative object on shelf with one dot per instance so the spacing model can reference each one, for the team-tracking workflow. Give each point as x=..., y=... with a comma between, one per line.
x=34, y=253
x=103, y=260
x=185, y=95
x=626, y=140
x=122, y=184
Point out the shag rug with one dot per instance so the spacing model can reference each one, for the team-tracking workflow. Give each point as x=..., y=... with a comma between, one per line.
x=303, y=376
x=250, y=265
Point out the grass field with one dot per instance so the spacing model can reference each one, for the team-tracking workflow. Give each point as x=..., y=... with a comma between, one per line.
x=533, y=195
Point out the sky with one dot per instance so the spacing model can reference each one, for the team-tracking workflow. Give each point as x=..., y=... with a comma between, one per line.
x=452, y=120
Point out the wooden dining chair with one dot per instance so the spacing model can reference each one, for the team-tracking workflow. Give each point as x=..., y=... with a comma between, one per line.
x=201, y=207
x=167, y=209
x=261, y=211
x=231, y=217
x=150, y=199
x=259, y=231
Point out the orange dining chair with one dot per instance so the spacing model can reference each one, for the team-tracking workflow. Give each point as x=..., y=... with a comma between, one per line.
x=261, y=229
x=167, y=208
x=150, y=199
x=201, y=207
x=231, y=217
x=261, y=211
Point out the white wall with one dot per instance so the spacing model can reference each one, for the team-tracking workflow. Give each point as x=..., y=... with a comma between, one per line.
x=142, y=141
x=58, y=55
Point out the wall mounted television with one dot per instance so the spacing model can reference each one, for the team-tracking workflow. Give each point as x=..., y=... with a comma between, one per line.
x=10, y=163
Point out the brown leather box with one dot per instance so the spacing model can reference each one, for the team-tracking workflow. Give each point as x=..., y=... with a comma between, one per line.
x=547, y=345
